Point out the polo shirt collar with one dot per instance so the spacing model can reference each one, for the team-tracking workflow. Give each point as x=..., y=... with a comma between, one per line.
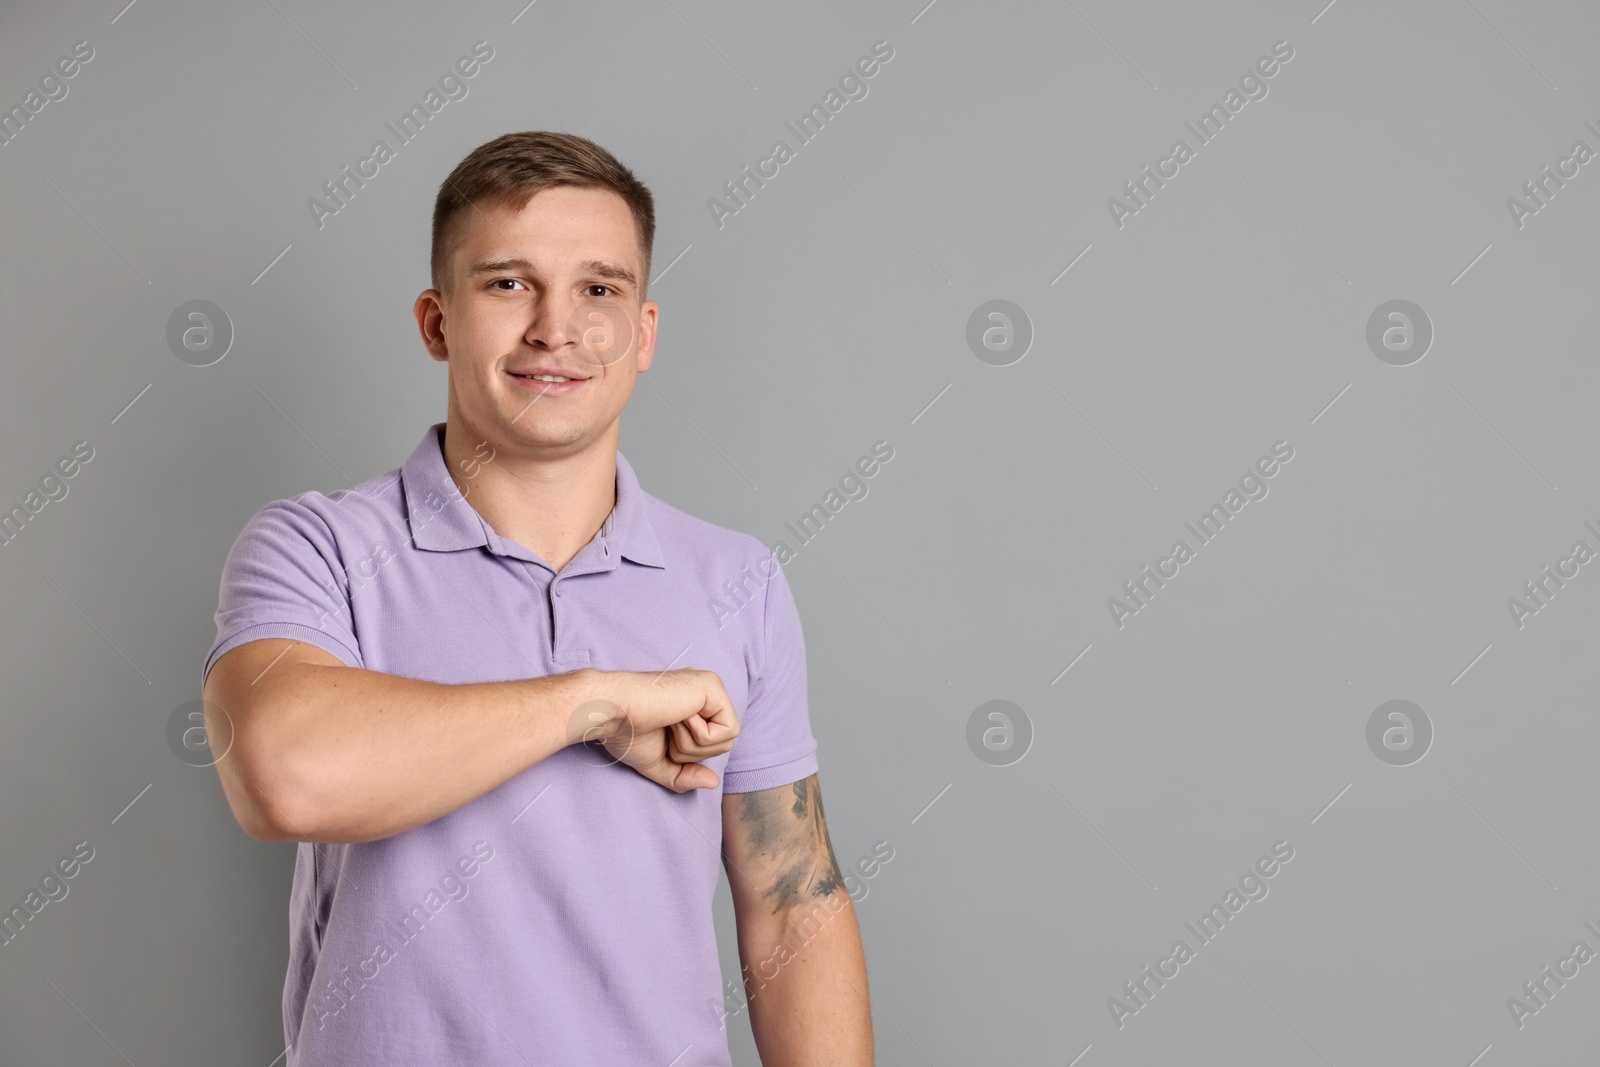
x=628, y=526
x=455, y=524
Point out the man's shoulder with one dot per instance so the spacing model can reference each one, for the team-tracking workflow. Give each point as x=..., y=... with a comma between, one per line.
x=374, y=504
x=683, y=534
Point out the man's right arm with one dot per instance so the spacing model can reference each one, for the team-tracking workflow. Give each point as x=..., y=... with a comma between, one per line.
x=313, y=750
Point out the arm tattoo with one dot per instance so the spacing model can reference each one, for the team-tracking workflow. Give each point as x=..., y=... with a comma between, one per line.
x=793, y=831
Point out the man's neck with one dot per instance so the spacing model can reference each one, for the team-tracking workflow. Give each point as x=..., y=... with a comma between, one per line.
x=552, y=506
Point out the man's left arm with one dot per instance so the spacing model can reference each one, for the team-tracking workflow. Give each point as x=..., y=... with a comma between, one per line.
x=805, y=973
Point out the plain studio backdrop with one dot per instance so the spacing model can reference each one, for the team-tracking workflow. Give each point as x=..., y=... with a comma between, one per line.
x=1157, y=340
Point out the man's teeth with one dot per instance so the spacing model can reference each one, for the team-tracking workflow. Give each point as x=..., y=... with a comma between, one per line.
x=545, y=377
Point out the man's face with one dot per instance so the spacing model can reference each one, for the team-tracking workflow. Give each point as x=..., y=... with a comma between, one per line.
x=552, y=289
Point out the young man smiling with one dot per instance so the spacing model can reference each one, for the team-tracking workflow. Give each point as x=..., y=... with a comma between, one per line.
x=530, y=676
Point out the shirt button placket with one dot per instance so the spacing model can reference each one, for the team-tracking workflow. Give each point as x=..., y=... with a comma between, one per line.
x=555, y=621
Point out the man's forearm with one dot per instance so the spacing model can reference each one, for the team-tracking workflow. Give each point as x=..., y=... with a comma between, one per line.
x=806, y=980
x=340, y=754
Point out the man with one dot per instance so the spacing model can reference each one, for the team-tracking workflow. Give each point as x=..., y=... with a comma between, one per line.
x=510, y=704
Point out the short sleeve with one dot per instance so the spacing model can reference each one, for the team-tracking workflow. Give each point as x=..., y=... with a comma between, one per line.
x=284, y=578
x=775, y=745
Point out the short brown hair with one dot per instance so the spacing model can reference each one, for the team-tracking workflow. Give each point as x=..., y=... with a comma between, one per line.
x=510, y=169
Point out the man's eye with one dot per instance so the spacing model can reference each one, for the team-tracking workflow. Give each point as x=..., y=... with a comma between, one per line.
x=607, y=288
x=499, y=281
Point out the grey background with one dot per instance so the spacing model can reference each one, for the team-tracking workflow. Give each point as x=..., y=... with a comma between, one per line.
x=1226, y=315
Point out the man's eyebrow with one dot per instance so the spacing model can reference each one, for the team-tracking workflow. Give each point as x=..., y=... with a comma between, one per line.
x=603, y=269
x=597, y=267
x=496, y=266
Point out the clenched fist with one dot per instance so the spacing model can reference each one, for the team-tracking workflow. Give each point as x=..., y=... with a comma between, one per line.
x=662, y=725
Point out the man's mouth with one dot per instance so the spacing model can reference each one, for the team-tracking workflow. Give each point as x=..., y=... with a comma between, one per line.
x=545, y=383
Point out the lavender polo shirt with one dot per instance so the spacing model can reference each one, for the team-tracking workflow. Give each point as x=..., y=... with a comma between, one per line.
x=565, y=916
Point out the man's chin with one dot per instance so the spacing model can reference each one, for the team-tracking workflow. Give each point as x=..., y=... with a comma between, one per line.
x=543, y=436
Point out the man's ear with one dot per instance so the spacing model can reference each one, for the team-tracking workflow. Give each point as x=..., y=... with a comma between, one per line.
x=649, y=313
x=429, y=312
